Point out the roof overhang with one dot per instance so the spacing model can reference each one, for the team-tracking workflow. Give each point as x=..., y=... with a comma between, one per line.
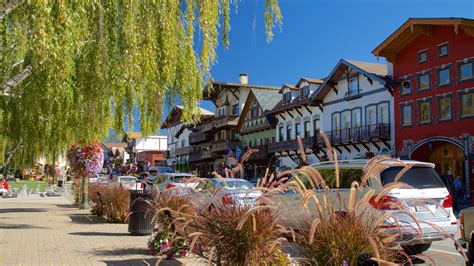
x=415, y=27
x=330, y=83
x=309, y=81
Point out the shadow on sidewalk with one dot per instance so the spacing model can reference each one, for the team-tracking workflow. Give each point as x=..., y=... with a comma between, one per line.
x=68, y=206
x=100, y=234
x=21, y=226
x=140, y=262
x=86, y=219
x=17, y=210
x=122, y=252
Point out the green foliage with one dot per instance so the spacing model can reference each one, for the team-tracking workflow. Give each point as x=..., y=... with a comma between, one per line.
x=94, y=61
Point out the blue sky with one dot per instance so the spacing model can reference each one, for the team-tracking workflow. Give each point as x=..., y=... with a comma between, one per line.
x=315, y=35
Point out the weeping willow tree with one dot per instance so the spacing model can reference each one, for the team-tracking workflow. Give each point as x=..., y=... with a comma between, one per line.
x=87, y=64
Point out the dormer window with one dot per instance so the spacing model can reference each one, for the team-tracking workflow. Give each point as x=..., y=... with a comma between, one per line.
x=287, y=97
x=305, y=91
x=353, y=86
x=254, y=112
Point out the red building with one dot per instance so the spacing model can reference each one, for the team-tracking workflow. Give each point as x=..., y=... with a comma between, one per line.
x=433, y=64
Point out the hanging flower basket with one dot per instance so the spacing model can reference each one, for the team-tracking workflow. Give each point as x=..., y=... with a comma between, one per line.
x=86, y=160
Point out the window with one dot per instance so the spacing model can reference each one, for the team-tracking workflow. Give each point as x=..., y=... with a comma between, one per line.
x=336, y=119
x=467, y=104
x=383, y=113
x=316, y=127
x=305, y=91
x=255, y=111
x=370, y=115
x=356, y=118
x=407, y=115
x=443, y=49
x=424, y=112
x=289, y=130
x=444, y=77
x=281, y=134
x=424, y=82
x=287, y=97
x=353, y=86
x=345, y=119
x=307, y=129
x=183, y=143
x=445, y=108
x=405, y=86
x=423, y=56
x=297, y=129
x=465, y=71
x=257, y=142
x=235, y=109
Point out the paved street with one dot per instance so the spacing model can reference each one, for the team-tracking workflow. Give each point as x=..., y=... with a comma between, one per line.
x=48, y=231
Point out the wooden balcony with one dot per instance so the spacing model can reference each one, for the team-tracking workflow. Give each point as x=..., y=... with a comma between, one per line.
x=206, y=154
x=183, y=151
x=196, y=137
x=292, y=145
x=223, y=145
x=195, y=156
x=220, y=122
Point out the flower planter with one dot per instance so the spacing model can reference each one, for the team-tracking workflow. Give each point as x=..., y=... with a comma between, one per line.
x=140, y=218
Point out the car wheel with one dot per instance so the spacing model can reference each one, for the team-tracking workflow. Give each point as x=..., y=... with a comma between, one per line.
x=416, y=249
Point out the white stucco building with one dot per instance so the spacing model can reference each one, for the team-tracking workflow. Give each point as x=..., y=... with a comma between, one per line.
x=357, y=109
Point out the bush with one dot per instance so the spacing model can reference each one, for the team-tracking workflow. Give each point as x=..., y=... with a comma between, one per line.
x=96, y=202
x=167, y=208
x=237, y=235
x=111, y=201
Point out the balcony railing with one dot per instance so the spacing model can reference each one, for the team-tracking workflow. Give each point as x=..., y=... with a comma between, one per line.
x=196, y=137
x=359, y=134
x=220, y=122
x=194, y=156
x=183, y=151
x=291, y=145
x=223, y=145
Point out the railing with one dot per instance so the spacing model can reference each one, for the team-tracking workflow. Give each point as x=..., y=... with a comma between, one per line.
x=359, y=134
x=291, y=145
x=196, y=137
x=205, y=154
x=195, y=156
x=183, y=151
x=220, y=122
x=223, y=145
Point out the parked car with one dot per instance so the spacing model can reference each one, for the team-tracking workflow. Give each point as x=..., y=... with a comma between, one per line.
x=466, y=226
x=229, y=191
x=426, y=188
x=129, y=182
x=172, y=180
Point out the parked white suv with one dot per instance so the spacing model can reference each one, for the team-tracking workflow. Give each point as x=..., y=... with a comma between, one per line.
x=427, y=199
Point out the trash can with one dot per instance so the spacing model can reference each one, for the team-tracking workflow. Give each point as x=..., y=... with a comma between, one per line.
x=140, y=219
x=60, y=183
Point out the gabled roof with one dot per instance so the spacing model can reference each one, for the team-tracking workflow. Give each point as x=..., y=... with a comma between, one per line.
x=175, y=115
x=215, y=87
x=267, y=100
x=309, y=80
x=288, y=86
x=413, y=28
x=377, y=72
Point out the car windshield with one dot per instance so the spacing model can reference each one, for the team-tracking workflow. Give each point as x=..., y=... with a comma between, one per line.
x=417, y=177
x=153, y=171
x=236, y=185
x=164, y=169
x=346, y=177
x=127, y=179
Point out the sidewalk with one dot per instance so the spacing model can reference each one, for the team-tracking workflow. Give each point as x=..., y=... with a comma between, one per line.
x=48, y=231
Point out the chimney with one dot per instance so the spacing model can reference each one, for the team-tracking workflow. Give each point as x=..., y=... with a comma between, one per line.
x=244, y=78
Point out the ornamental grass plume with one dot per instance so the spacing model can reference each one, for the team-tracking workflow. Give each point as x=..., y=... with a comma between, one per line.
x=237, y=235
x=110, y=201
